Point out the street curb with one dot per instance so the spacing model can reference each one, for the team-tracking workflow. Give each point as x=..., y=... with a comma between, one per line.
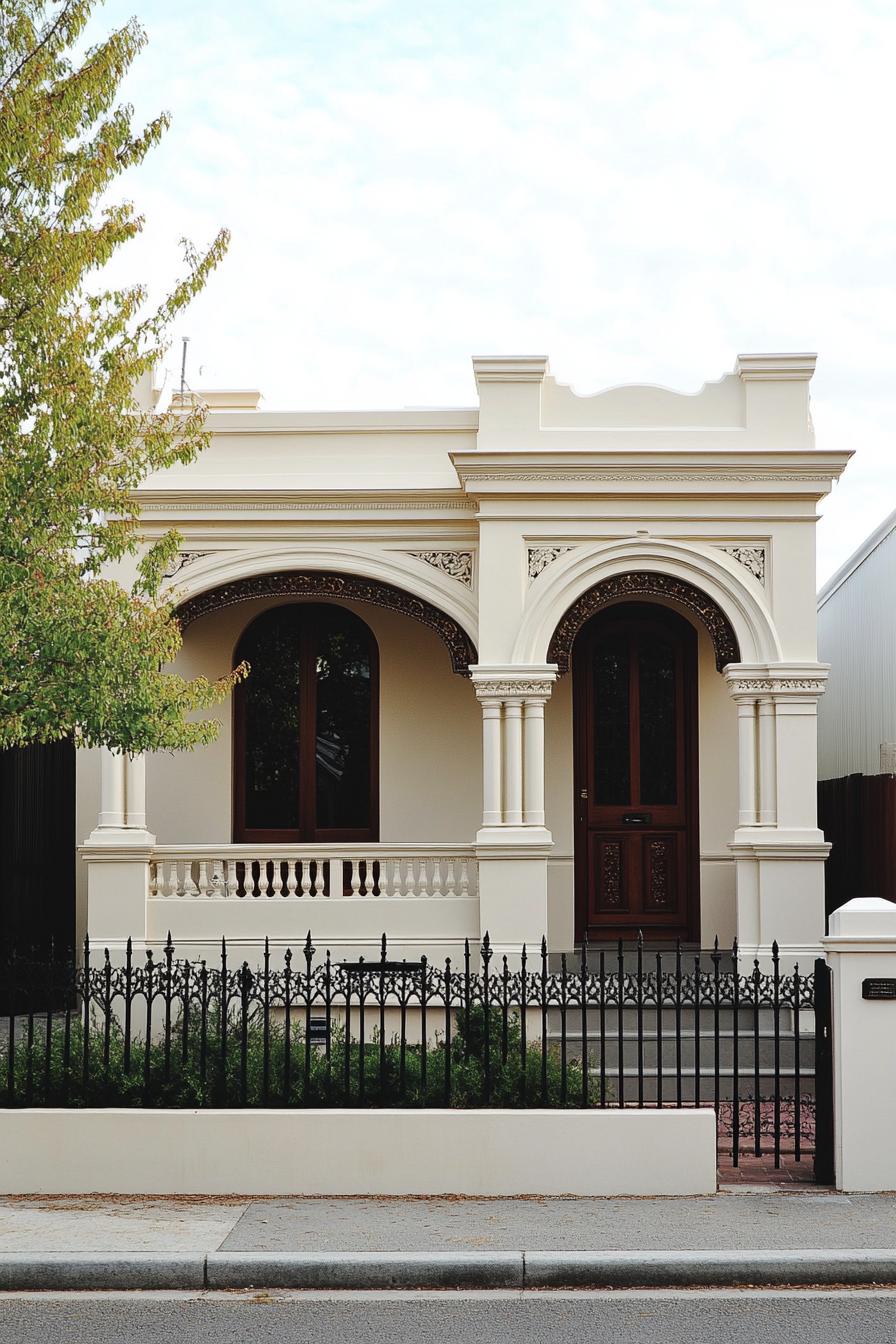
x=705, y=1269
x=65, y=1270
x=365, y=1269
x=147, y=1270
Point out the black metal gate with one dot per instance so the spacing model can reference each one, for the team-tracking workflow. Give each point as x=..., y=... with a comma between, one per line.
x=824, y=1076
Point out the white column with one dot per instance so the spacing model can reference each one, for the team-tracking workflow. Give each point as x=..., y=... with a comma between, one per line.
x=533, y=761
x=768, y=763
x=118, y=854
x=746, y=761
x=861, y=950
x=513, y=762
x=112, y=789
x=135, y=791
x=492, y=814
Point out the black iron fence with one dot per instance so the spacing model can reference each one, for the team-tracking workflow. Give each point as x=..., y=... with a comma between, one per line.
x=611, y=1026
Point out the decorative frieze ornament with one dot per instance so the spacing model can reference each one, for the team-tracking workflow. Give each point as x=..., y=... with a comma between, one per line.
x=777, y=685
x=456, y=564
x=526, y=689
x=181, y=560
x=751, y=557
x=542, y=556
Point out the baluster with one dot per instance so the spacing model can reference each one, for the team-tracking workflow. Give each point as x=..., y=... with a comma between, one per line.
x=368, y=877
x=319, y=881
x=396, y=879
x=232, y=882
x=305, y=866
x=153, y=879
x=203, y=878
x=436, y=878
x=464, y=878
x=190, y=888
x=276, y=878
x=449, y=880
x=173, y=884
x=421, y=887
x=292, y=881
x=356, y=879
x=410, y=887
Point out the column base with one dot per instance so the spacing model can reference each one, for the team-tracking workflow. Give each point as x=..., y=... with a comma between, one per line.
x=513, y=888
x=780, y=892
x=117, y=884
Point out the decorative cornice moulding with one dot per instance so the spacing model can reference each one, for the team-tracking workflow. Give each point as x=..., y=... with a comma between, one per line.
x=752, y=558
x=539, y=557
x=456, y=564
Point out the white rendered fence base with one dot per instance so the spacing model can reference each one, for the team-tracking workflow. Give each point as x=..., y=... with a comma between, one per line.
x=358, y=1152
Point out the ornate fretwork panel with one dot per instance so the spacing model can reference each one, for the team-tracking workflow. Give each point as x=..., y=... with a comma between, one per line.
x=644, y=584
x=456, y=564
x=751, y=557
x=181, y=560
x=321, y=584
x=542, y=556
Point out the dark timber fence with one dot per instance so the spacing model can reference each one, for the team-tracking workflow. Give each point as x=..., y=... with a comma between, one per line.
x=858, y=816
x=610, y=1026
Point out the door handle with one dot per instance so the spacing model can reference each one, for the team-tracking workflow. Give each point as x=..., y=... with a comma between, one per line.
x=583, y=793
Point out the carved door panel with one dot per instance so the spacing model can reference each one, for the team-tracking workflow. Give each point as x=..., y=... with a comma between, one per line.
x=636, y=782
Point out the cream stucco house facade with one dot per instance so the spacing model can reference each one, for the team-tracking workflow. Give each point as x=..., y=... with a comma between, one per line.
x=546, y=665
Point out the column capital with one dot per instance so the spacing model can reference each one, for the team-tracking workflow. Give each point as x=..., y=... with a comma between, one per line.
x=512, y=682
x=781, y=681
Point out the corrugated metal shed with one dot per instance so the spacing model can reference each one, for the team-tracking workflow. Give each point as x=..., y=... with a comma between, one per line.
x=857, y=636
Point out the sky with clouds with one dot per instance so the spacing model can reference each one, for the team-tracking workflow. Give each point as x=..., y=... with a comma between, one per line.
x=638, y=189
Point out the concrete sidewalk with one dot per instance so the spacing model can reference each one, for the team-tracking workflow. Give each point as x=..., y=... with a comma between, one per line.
x=774, y=1237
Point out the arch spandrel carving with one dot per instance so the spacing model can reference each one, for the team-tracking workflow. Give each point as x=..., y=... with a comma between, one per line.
x=323, y=584
x=620, y=587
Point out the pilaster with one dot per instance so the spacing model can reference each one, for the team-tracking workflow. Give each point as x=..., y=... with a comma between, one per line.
x=779, y=850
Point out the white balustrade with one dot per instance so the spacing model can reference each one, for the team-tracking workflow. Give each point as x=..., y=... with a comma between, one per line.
x=311, y=873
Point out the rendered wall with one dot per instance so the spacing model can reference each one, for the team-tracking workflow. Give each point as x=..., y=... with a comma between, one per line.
x=430, y=738
x=359, y=1152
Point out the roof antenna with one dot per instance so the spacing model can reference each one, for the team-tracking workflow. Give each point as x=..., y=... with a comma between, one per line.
x=183, y=366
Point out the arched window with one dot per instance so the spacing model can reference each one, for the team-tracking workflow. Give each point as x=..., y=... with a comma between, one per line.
x=306, y=727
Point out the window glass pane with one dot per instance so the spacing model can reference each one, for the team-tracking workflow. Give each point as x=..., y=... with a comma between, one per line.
x=612, y=773
x=659, y=756
x=271, y=646
x=342, y=746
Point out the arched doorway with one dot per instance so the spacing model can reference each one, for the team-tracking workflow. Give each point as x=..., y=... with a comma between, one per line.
x=636, y=782
x=306, y=728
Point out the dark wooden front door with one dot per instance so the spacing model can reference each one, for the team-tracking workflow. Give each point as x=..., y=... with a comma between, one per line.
x=636, y=774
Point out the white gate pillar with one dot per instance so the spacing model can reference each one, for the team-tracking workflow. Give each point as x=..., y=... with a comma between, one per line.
x=861, y=950
x=117, y=853
x=779, y=850
x=513, y=843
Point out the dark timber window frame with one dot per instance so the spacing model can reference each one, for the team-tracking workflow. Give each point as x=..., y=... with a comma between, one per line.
x=307, y=832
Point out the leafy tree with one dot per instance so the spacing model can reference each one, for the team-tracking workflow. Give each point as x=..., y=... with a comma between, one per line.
x=80, y=654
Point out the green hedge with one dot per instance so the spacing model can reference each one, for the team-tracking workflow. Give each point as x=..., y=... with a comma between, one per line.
x=244, y=1066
